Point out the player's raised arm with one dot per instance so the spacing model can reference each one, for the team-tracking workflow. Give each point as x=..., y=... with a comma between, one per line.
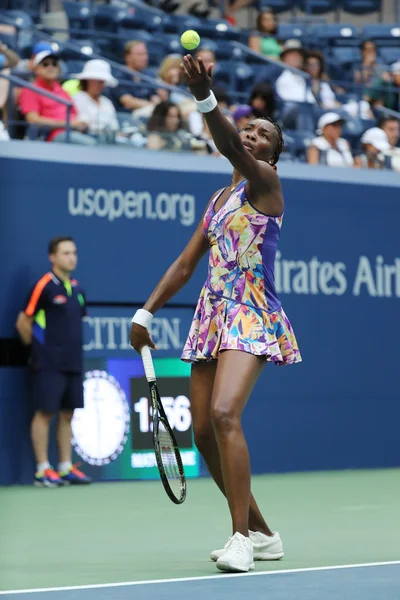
x=259, y=173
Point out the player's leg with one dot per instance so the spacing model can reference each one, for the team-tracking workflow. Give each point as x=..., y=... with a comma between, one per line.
x=71, y=400
x=236, y=375
x=201, y=387
x=47, y=394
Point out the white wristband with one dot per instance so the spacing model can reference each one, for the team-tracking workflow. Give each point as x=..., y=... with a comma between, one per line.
x=142, y=317
x=208, y=104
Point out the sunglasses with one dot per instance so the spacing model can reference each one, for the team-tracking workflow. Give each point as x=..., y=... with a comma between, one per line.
x=49, y=63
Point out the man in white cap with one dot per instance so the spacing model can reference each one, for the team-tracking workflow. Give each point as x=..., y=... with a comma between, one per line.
x=329, y=148
x=290, y=86
x=47, y=113
x=94, y=108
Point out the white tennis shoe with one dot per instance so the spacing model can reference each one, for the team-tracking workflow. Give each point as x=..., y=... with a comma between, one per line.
x=237, y=556
x=265, y=547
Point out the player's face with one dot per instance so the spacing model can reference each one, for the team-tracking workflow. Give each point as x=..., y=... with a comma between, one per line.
x=65, y=257
x=260, y=138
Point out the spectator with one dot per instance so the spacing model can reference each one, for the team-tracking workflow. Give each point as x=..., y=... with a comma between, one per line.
x=322, y=91
x=48, y=113
x=370, y=67
x=264, y=39
x=329, y=148
x=8, y=58
x=242, y=115
x=51, y=323
x=290, y=86
x=134, y=93
x=262, y=101
x=375, y=145
x=391, y=126
x=385, y=91
x=170, y=73
x=93, y=108
x=25, y=68
x=166, y=130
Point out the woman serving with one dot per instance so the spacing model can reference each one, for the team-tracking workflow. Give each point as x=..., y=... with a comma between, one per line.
x=239, y=323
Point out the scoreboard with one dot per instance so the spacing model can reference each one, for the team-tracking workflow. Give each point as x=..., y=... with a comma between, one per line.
x=113, y=434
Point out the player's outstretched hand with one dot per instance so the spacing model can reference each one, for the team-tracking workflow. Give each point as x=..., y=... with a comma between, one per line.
x=140, y=337
x=198, y=77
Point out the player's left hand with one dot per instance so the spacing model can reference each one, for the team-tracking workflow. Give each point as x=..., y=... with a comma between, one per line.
x=198, y=77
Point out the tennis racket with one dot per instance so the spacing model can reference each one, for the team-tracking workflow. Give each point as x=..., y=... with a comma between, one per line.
x=168, y=456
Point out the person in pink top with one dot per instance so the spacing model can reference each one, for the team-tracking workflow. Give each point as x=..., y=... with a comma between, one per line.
x=46, y=112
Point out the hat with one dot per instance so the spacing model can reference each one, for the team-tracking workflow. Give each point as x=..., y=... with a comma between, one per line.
x=377, y=137
x=290, y=45
x=243, y=110
x=41, y=47
x=395, y=68
x=327, y=119
x=97, y=69
x=42, y=55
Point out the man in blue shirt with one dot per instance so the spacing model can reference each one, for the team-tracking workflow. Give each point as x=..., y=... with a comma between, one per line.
x=52, y=324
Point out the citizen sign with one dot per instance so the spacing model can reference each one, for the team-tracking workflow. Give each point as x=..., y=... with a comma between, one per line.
x=112, y=333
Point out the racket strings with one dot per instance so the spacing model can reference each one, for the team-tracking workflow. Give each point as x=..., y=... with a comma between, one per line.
x=169, y=460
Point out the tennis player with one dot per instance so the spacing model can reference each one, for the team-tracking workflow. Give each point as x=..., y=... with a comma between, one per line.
x=239, y=323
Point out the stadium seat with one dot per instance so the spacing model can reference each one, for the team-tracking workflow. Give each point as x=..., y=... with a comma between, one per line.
x=206, y=43
x=288, y=31
x=362, y=7
x=389, y=55
x=317, y=7
x=31, y=7
x=383, y=34
x=137, y=17
x=218, y=28
x=9, y=39
x=22, y=22
x=225, y=51
x=79, y=16
x=330, y=35
x=297, y=142
x=77, y=49
x=277, y=6
x=180, y=23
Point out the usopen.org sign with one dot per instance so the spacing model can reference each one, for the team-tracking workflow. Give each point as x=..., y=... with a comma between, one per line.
x=117, y=204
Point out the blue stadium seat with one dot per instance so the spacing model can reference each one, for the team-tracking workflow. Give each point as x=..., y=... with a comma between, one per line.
x=317, y=7
x=79, y=50
x=32, y=7
x=330, y=35
x=106, y=17
x=244, y=78
x=362, y=7
x=218, y=28
x=180, y=23
x=277, y=6
x=79, y=16
x=22, y=21
x=225, y=51
x=297, y=141
x=383, y=34
x=9, y=39
x=74, y=66
x=289, y=31
x=389, y=55
x=137, y=17
x=343, y=55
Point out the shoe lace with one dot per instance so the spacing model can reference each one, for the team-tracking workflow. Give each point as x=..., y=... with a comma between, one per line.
x=76, y=471
x=236, y=544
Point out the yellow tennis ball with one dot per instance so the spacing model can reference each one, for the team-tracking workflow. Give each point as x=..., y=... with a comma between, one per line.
x=190, y=39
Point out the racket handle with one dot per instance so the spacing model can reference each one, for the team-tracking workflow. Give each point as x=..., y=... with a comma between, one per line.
x=148, y=364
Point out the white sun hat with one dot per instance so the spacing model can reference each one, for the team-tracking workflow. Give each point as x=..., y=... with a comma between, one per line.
x=377, y=138
x=97, y=69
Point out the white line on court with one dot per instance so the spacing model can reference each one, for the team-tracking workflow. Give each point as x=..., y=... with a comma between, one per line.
x=220, y=576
